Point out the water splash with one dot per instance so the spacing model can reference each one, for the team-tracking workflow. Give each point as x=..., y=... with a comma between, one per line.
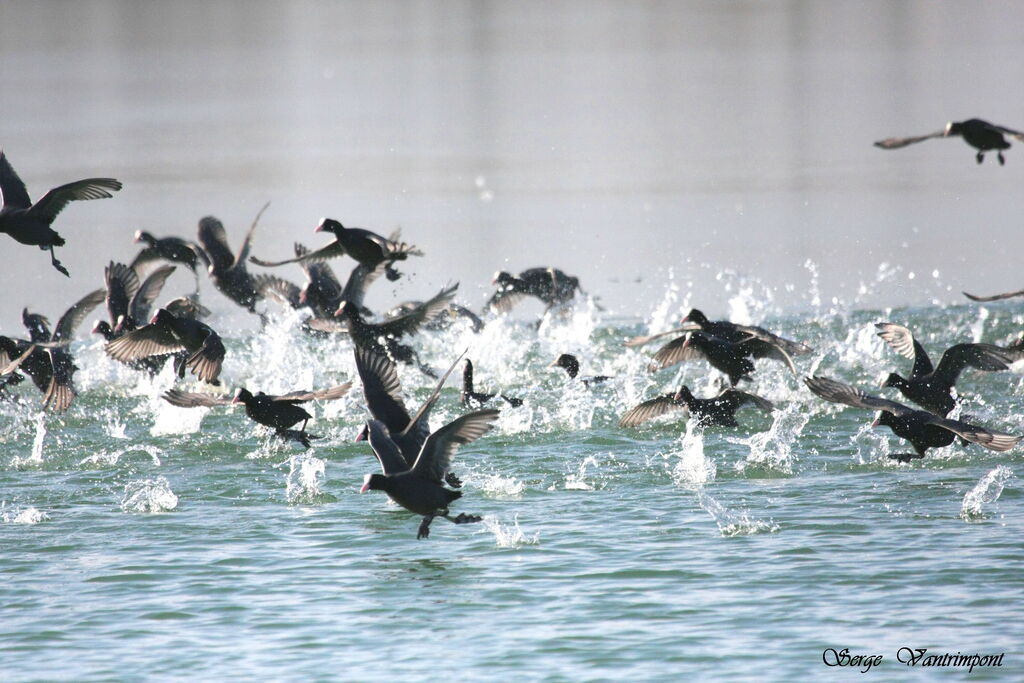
x=305, y=476
x=111, y=458
x=29, y=515
x=773, y=449
x=577, y=481
x=731, y=523
x=149, y=496
x=692, y=469
x=498, y=486
x=509, y=535
x=985, y=492
x=174, y=420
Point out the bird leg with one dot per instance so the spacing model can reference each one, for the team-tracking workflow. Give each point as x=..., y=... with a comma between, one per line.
x=57, y=264
x=390, y=273
x=980, y=156
x=1002, y=161
x=424, y=530
x=463, y=518
x=452, y=480
x=906, y=457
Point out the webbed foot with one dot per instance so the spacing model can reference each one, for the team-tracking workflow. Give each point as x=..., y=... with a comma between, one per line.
x=424, y=530
x=463, y=518
x=905, y=457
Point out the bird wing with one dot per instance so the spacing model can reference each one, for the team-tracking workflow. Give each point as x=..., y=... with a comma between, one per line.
x=150, y=289
x=649, y=410
x=330, y=325
x=896, y=143
x=419, y=316
x=790, y=347
x=329, y=251
x=122, y=284
x=740, y=398
x=994, y=441
x=10, y=359
x=382, y=389
x=60, y=392
x=148, y=340
x=206, y=362
x=14, y=192
x=359, y=280
x=994, y=297
x=278, y=288
x=837, y=392
x=647, y=339
x=54, y=201
x=419, y=420
x=985, y=357
x=436, y=455
x=74, y=316
x=214, y=240
x=186, y=307
x=188, y=399
x=1006, y=131
x=243, y=251
x=766, y=348
x=902, y=340
x=676, y=351
x=328, y=394
x=504, y=300
x=386, y=450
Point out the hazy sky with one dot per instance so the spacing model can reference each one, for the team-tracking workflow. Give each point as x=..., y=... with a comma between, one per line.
x=614, y=140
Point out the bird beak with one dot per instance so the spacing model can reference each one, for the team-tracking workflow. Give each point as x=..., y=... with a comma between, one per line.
x=96, y=327
x=676, y=396
x=138, y=236
x=877, y=422
x=552, y=364
x=235, y=400
x=365, y=488
x=361, y=436
x=320, y=226
x=686, y=318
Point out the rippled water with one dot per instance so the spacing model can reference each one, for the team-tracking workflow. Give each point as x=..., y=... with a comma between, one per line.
x=146, y=541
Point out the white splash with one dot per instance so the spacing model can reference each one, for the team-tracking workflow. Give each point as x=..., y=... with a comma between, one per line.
x=733, y=524
x=29, y=515
x=149, y=496
x=509, y=535
x=111, y=458
x=985, y=492
x=173, y=420
x=305, y=477
x=693, y=469
x=773, y=449
x=502, y=487
x=37, y=442
x=577, y=481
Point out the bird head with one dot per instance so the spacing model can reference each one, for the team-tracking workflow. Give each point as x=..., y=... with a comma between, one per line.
x=329, y=225
x=884, y=418
x=241, y=396
x=345, y=309
x=684, y=394
x=952, y=128
x=162, y=316
x=502, y=278
x=363, y=434
x=143, y=236
x=372, y=481
x=567, y=361
x=893, y=380
x=695, y=316
x=102, y=327
x=38, y=326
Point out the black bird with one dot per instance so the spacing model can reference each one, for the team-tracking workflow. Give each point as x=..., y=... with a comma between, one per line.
x=383, y=392
x=444, y=320
x=719, y=410
x=420, y=488
x=173, y=249
x=979, y=134
x=724, y=356
x=470, y=397
x=922, y=429
x=571, y=365
x=931, y=388
x=551, y=285
x=366, y=247
x=45, y=357
x=166, y=334
x=280, y=413
x=228, y=271
x=30, y=223
x=186, y=307
x=322, y=293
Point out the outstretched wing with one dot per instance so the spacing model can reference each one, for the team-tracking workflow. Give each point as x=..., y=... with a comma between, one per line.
x=148, y=340
x=122, y=284
x=143, y=300
x=994, y=297
x=902, y=340
x=986, y=357
x=740, y=398
x=187, y=399
x=436, y=455
x=896, y=143
x=676, y=351
x=329, y=394
x=54, y=201
x=74, y=316
x=206, y=362
x=214, y=240
x=382, y=388
x=332, y=250
x=272, y=286
x=421, y=315
x=1006, y=131
x=386, y=450
x=14, y=193
x=837, y=392
x=243, y=251
x=994, y=441
x=648, y=410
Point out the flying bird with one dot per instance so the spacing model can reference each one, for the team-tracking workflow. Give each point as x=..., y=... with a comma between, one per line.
x=981, y=135
x=30, y=223
x=167, y=334
x=719, y=410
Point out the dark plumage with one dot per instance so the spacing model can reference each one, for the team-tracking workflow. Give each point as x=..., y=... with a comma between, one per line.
x=922, y=429
x=173, y=249
x=571, y=365
x=931, y=388
x=280, y=413
x=30, y=223
x=45, y=357
x=719, y=410
x=367, y=248
x=757, y=341
x=228, y=271
x=724, y=356
x=166, y=334
x=551, y=285
x=979, y=134
x=470, y=397
x=420, y=488
x=444, y=320
x=995, y=297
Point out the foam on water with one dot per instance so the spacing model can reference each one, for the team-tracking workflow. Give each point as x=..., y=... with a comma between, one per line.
x=148, y=496
x=21, y=515
x=110, y=458
x=497, y=486
x=976, y=502
x=772, y=450
x=733, y=523
x=692, y=469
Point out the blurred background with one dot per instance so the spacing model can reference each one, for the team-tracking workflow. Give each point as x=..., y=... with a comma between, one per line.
x=617, y=141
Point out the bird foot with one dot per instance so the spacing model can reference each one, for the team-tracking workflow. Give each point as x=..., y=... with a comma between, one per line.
x=60, y=267
x=391, y=274
x=1002, y=160
x=905, y=457
x=463, y=518
x=980, y=156
x=424, y=530
x=452, y=480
